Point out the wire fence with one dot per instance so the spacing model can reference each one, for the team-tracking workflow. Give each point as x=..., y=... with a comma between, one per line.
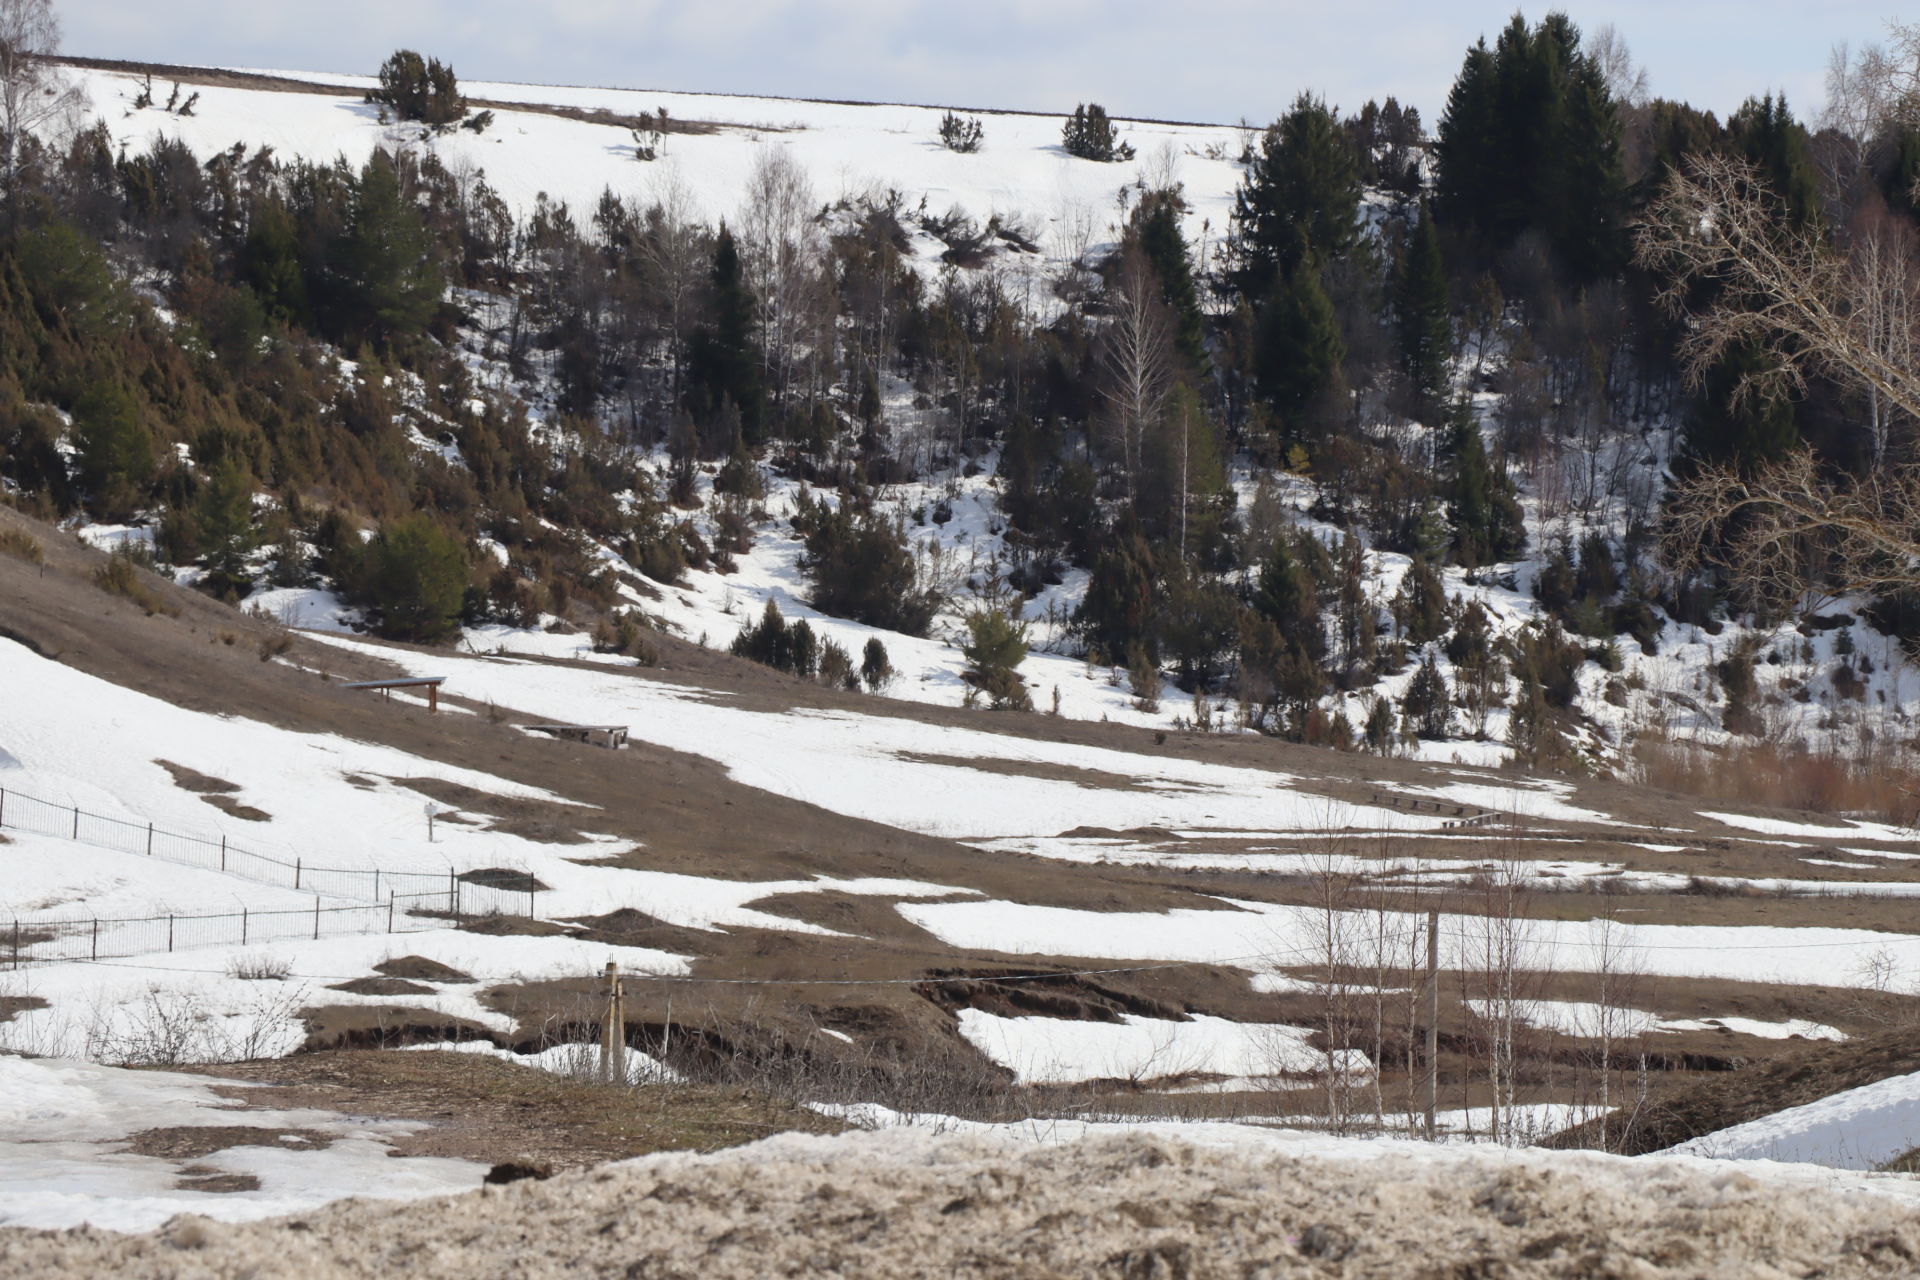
x=34, y=941
x=382, y=901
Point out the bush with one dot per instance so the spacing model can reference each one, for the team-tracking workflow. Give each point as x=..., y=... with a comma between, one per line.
x=995, y=648
x=417, y=88
x=21, y=545
x=412, y=580
x=861, y=570
x=121, y=576
x=1090, y=135
x=961, y=133
x=876, y=671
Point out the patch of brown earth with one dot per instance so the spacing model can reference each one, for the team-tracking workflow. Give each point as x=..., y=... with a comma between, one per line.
x=421, y=969
x=193, y=780
x=194, y=1142
x=381, y=987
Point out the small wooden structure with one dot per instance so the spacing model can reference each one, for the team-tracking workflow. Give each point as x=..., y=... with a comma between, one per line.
x=386, y=687
x=611, y=736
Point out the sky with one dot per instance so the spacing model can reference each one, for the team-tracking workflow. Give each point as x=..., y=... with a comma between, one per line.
x=1221, y=62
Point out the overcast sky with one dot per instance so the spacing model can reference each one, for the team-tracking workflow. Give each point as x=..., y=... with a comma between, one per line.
x=1156, y=58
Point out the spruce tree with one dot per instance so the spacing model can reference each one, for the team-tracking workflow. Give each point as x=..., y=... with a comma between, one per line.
x=224, y=515
x=995, y=647
x=387, y=261
x=1427, y=708
x=413, y=580
x=1488, y=525
x=723, y=364
x=1299, y=200
x=1299, y=348
x=1425, y=325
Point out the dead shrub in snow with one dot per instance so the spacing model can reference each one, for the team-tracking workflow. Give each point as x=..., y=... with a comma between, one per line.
x=21, y=545
x=259, y=966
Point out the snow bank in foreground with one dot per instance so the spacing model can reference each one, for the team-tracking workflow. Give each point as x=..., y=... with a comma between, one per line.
x=1859, y=1129
x=908, y=1203
x=59, y=1123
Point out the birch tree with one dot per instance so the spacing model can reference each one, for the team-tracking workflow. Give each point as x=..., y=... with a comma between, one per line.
x=35, y=94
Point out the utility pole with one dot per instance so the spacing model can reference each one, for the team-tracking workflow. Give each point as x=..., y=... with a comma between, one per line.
x=1433, y=1023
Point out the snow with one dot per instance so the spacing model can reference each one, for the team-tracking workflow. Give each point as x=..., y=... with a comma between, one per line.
x=1265, y=937
x=57, y=1120
x=1811, y=830
x=1022, y=174
x=1860, y=1128
x=1062, y=1051
x=1577, y=1018
x=909, y=774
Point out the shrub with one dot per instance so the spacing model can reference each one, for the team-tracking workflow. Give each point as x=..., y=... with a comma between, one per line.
x=861, y=570
x=836, y=666
x=417, y=88
x=21, y=545
x=121, y=576
x=996, y=646
x=961, y=133
x=412, y=580
x=876, y=671
x=1090, y=135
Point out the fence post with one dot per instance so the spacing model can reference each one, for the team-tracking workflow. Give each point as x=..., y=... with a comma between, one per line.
x=316, y=917
x=16, y=942
x=389, y=911
x=169, y=933
x=376, y=884
x=76, y=822
x=1433, y=1023
x=3, y=806
x=95, y=954
x=223, y=851
x=243, y=926
x=296, y=873
x=453, y=906
x=149, y=839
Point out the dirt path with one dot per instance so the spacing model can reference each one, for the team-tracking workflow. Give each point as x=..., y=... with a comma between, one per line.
x=904, y=1204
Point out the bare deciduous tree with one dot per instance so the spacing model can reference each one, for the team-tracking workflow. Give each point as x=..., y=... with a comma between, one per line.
x=1135, y=359
x=783, y=248
x=1625, y=81
x=35, y=93
x=1787, y=526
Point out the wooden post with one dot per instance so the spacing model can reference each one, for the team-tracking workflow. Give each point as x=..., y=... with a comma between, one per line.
x=389, y=911
x=316, y=917
x=1433, y=1023
x=296, y=873
x=3, y=806
x=433, y=699
x=94, y=954
x=169, y=933
x=613, y=1031
x=223, y=851
x=149, y=839
x=450, y=887
x=76, y=822
x=243, y=926
x=16, y=942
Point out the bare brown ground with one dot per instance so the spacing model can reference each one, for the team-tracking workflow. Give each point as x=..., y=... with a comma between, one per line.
x=1125, y=1208
x=490, y=1111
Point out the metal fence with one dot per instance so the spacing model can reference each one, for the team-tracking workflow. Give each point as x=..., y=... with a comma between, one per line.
x=384, y=900
x=25, y=942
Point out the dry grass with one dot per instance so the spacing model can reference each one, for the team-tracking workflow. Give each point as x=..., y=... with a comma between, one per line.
x=121, y=576
x=21, y=545
x=1766, y=775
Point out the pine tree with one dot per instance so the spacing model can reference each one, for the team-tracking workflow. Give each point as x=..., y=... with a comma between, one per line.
x=1427, y=708
x=723, y=364
x=227, y=534
x=1425, y=325
x=270, y=262
x=1089, y=135
x=386, y=260
x=1488, y=525
x=115, y=449
x=996, y=645
x=1300, y=199
x=1764, y=133
x=1299, y=349
x=1421, y=605
x=413, y=580
x=1284, y=594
